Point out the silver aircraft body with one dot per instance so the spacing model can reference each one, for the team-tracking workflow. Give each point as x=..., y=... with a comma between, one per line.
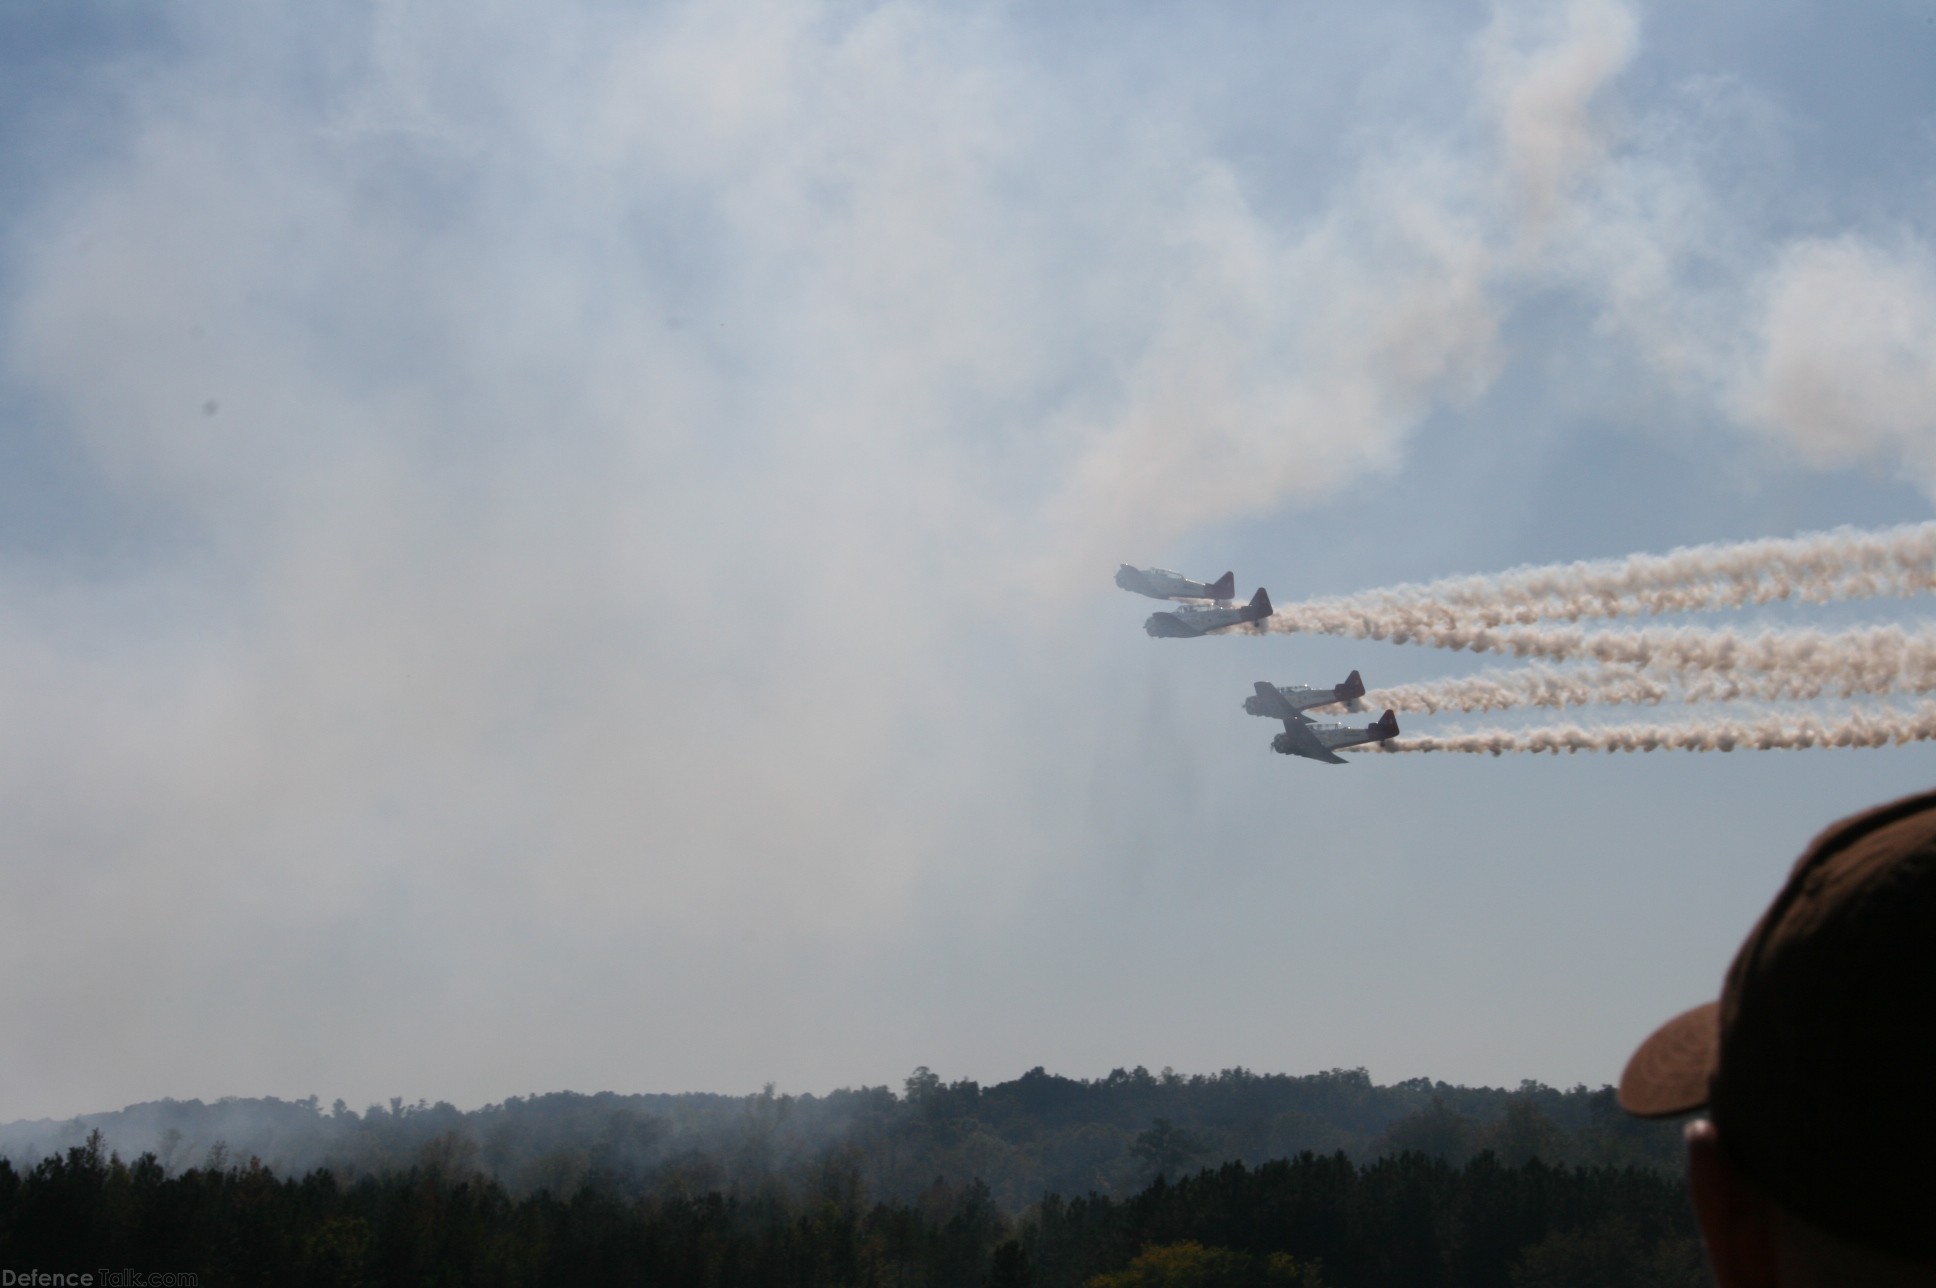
x=1161, y=583
x=1301, y=698
x=1302, y=737
x=1186, y=620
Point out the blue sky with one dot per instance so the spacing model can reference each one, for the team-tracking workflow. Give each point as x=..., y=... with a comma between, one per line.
x=576, y=553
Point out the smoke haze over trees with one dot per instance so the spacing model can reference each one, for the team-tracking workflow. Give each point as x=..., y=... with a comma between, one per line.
x=1037, y=1134
x=1318, y=1181
x=1406, y=1222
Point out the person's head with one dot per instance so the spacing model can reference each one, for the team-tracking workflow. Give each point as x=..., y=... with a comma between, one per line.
x=1817, y=1067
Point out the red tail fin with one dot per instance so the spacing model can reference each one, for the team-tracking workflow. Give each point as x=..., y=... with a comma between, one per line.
x=1260, y=606
x=1387, y=725
x=1352, y=689
x=1224, y=587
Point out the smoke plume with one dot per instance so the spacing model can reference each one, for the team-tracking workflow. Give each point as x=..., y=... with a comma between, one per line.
x=1844, y=564
x=1685, y=663
x=1535, y=686
x=1543, y=686
x=1883, y=728
x=1574, y=666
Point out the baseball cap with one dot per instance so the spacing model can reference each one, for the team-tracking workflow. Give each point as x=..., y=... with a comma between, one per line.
x=1818, y=1063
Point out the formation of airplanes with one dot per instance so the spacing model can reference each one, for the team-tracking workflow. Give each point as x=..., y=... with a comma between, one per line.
x=1209, y=606
x=1304, y=737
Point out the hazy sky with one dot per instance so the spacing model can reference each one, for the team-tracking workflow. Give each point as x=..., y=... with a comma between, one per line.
x=569, y=547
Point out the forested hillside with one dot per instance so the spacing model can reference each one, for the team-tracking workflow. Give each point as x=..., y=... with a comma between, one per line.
x=1308, y=1222
x=1038, y=1134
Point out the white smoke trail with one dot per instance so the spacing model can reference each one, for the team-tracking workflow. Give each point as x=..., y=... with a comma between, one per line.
x=1502, y=614
x=1534, y=686
x=1872, y=659
x=1841, y=668
x=1858, y=729
x=1844, y=564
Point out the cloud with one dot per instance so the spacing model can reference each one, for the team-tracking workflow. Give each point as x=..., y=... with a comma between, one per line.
x=1284, y=366
x=1543, y=70
x=1664, y=220
x=1843, y=369
x=625, y=434
x=662, y=467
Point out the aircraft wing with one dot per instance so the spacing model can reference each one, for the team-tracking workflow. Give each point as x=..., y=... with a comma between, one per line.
x=1299, y=739
x=1169, y=626
x=1270, y=701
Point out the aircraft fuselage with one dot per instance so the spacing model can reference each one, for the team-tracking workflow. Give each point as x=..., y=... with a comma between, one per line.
x=1187, y=620
x=1161, y=583
x=1331, y=738
x=1302, y=698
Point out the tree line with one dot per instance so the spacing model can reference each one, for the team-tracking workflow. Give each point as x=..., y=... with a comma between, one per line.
x=1312, y=1221
x=1036, y=1134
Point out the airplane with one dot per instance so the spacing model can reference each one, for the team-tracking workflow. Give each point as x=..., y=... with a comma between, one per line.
x=1161, y=583
x=1301, y=698
x=1187, y=620
x=1315, y=741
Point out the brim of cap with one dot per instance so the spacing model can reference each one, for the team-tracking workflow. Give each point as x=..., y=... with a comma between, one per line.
x=1670, y=1072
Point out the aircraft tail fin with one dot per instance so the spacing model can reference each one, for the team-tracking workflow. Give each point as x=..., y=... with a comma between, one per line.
x=1387, y=726
x=1260, y=606
x=1224, y=587
x=1352, y=688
